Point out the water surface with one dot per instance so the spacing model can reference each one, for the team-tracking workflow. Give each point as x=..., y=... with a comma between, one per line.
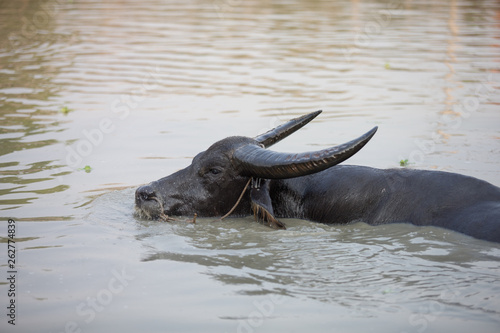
x=134, y=90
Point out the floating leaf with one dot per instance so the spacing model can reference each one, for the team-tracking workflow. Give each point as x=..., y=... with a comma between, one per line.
x=87, y=169
x=404, y=163
x=65, y=110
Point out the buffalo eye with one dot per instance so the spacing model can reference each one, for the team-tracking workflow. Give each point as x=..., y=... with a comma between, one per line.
x=214, y=171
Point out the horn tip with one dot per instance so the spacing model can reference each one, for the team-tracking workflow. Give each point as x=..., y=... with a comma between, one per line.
x=314, y=114
x=368, y=135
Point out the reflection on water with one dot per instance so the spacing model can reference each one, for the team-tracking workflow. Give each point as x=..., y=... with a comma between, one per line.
x=29, y=123
x=134, y=90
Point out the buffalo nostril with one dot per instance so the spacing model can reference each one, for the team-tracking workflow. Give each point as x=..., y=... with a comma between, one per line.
x=145, y=192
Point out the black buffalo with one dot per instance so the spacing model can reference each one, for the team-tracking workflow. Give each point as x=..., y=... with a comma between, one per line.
x=307, y=186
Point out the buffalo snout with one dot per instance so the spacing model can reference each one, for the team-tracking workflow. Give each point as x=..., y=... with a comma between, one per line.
x=144, y=193
x=147, y=202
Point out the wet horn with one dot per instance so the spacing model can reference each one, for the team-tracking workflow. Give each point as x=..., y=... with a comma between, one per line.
x=282, y=131
x=256, y=161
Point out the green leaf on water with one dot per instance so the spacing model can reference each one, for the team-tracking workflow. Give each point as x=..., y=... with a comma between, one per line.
x=65, y=110
x=87, y=169
x=404, y=163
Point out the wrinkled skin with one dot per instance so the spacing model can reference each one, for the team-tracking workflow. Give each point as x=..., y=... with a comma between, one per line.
x=316, y=191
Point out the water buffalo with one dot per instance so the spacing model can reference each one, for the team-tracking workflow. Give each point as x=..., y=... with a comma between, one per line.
x=307, y=186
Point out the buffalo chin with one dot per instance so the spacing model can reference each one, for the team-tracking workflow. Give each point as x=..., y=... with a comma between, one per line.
x=150, y=210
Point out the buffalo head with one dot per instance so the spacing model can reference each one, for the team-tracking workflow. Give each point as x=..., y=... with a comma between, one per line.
x=211, y=185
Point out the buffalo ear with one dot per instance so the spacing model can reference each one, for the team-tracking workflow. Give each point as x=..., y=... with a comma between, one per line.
x=261, y=204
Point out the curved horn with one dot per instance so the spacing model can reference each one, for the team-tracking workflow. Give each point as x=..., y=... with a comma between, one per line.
x=282, y=131
x=259, y=162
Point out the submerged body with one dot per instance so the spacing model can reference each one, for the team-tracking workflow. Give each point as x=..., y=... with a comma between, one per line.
x=311, y=186
x=346, y=193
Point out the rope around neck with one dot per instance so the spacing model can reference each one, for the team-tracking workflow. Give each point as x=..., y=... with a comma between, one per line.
x=239, y=199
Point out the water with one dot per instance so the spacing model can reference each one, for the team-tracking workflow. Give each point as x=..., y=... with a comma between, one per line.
x=134, y=90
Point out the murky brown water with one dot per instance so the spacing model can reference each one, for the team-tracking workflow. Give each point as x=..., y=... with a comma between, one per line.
x=135, y=89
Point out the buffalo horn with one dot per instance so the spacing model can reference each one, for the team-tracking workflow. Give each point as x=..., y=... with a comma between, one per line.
x=282, y=131
x=258, y=162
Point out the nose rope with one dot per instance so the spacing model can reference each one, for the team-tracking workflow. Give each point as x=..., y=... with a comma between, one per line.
x=162, y=215
x=239, y=199
x=166, y=218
